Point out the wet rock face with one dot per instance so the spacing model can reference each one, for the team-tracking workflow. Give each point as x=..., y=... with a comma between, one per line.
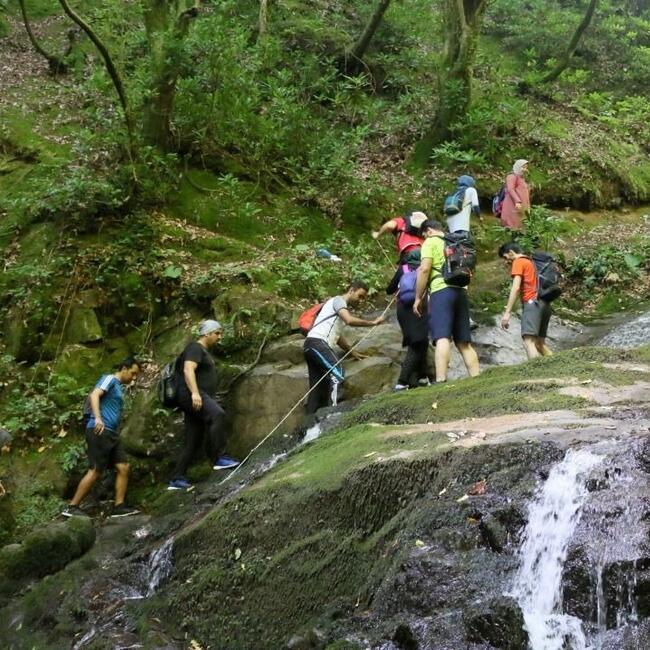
x=498, y=622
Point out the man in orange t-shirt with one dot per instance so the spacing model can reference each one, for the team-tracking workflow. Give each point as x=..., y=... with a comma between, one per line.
x=535, y=313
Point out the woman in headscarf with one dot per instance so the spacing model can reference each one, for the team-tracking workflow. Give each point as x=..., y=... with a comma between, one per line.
x=466, y=188
x=517, y=200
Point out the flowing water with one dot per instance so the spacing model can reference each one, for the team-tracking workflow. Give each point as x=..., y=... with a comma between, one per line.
x=630, y=334
x=552, y=519
x=593, y=507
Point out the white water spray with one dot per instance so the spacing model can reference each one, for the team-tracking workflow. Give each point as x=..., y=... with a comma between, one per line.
x=552, y=518
x=159, y=566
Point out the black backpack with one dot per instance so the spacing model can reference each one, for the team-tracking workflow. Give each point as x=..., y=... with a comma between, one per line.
x=549, y=276
x=167, y=384
x=460, y=259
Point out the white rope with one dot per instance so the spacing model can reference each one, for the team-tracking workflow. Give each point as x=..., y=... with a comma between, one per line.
x=300, y=401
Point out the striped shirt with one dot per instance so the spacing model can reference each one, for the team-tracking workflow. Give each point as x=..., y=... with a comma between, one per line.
x=111, y=403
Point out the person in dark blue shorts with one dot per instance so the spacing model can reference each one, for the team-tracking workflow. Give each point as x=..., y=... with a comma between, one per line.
x=104, y=412
x=448, y=306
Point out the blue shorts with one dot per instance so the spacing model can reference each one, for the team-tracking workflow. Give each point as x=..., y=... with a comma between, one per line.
x=449, y=315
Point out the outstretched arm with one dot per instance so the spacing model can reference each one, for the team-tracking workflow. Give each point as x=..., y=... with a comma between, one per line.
x=354, y=321
x=389, y=226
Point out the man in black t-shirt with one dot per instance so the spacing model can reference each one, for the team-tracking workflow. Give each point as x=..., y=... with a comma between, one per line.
x=196, y=378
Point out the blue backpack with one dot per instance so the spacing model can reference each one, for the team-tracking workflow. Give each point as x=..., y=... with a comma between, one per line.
x=406, y=287
x=454, y=202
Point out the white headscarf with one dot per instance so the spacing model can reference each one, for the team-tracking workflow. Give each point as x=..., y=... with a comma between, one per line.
x=518, y=167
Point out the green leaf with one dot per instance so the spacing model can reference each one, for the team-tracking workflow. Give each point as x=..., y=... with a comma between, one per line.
x=172, y=272
x=633, y=261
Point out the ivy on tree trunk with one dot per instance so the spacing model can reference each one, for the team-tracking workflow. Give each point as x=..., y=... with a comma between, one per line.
x=167, y=23
x=462, y=21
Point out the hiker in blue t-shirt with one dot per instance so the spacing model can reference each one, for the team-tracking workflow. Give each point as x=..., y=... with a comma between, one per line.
x=104, y=412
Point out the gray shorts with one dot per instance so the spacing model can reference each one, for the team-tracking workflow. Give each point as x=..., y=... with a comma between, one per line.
x=535, y=316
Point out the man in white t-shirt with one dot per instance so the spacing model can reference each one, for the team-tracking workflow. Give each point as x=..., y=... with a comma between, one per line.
x=324, y=336
x=460, y=221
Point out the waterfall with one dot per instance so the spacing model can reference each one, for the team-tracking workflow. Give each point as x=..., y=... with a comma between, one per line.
x=552, y=518
x=312, y=433
x=159, y=566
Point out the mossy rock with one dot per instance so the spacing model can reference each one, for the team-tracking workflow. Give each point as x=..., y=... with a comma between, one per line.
x=83, y=326
x=84, y=364
x=47, y=550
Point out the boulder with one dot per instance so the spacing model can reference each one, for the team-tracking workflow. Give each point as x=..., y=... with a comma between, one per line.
x=45, y=551
x=369, y=376
x=499, y=622
x=287, y=349
x=83, y=326
x=261, y=399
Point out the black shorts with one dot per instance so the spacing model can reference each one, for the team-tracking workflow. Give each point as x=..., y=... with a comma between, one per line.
x=535, y=316
x=105, y=450
x=449, y=315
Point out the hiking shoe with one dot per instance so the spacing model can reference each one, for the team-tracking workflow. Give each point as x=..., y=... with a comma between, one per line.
x=399, y=387
x=124, y=511
x=74, y=511
x=179, y=484
x=225, y=462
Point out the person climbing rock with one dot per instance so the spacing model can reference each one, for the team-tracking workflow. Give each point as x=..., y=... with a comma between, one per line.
x=516, y=202
x=324, y=336
x=196, y=378
x=448, y=305
x=415, y=329
x=103, y=413
x=460, y=206
x=535, y=313
x=407, y=232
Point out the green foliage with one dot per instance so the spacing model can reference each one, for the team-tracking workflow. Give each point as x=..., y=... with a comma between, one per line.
x=301, y=273
x=610, y=265
x=72, y=457
x=543, y=230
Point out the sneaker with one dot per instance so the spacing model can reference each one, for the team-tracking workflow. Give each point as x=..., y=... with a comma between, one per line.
x=225, y=462
x=399, y=387
x=74, y=511
x=179, y=484
x=124, y=511
x=424, y=381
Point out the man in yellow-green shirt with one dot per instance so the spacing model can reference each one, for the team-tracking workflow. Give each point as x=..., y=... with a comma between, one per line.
x=448, y=306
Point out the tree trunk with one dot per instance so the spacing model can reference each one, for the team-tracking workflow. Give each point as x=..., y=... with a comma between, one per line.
x=462, y=25
x=354, y=56
x=110, y=68
x=167, y=23
x=563, y=62
x=263, y=20
x=56, y=64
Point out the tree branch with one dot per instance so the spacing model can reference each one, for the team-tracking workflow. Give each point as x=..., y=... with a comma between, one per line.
x=55, y=63
x=110, y=68
x=563, y=63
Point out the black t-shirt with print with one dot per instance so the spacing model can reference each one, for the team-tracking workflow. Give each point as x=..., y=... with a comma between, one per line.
x=206, y=371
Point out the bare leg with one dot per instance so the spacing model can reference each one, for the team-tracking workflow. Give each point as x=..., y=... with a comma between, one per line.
x=542, y=348
x=443, y=352
x=470, y=358
x=121, y=482
x=85, y=485
x=531, y=347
